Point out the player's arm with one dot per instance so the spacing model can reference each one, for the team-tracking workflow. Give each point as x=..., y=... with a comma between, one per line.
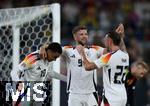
x=22, y=68
x=43, y=51
x=102, y=61
x=53, y=74
x=17, y=74
x=120, y=31
x=89, y=66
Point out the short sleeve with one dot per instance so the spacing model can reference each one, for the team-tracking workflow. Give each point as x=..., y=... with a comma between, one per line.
x=29, y=62
x=103, y=60
x=98, y=49
x=65, y=51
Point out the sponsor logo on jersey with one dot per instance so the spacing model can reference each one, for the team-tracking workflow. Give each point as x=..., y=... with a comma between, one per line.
x=123, y=60
x=73, y=56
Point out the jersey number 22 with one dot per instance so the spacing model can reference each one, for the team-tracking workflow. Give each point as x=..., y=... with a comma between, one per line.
x=118, y=74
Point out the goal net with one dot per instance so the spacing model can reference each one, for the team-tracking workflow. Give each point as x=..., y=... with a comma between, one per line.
x=22, y=31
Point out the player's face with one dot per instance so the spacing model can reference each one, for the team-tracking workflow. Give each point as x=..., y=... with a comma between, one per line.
x=20, y=86
x=81, y=37
x=138, y=71
x=52, y=56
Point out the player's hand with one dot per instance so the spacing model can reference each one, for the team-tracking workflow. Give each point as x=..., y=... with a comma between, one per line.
x=80, y=49
x=43, y=52
x=120, y=30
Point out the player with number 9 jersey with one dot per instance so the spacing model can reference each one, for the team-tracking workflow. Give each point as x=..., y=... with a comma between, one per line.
x=80, y=83
x=79, y=80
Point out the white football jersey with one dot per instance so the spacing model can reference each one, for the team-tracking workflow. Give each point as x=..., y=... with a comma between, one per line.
x=79, y=80
x=33, y=68
x=114, y=66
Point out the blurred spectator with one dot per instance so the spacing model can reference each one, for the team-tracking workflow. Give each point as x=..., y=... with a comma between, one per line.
x=71, y=11
x=147, y=33
x=90, y=18
x=5, y=4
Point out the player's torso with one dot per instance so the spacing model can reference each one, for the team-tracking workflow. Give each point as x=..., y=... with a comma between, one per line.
x=114, y=75
x=80, y=80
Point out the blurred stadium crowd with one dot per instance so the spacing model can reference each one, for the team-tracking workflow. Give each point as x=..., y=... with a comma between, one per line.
x=100, y=16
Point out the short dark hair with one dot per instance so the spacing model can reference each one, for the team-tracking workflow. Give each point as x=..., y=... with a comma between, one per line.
x=115, y=37
x=55, y=47
x=79, y=27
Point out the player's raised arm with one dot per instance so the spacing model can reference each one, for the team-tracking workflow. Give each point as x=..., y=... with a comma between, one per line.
x=43, y=51
x=120, y=31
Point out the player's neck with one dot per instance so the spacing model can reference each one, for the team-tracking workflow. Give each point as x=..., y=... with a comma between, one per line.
x=41, y=57
x=114, y=48
x=80, y=44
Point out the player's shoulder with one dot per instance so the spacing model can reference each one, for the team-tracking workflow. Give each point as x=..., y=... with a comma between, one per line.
x=32, y=57
x=95, y=47
x=33, y=54
x=68, y=47
x=108, y=55
x=122, y=53
x=120, y=56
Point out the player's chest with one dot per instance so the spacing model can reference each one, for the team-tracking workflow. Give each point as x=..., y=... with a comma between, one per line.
x=41, y=67
x=76, y=58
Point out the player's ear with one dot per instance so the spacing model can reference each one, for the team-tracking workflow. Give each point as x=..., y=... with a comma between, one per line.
x=75, y=37
x=110, y=41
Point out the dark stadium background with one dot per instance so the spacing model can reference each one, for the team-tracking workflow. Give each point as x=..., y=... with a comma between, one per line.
x=100, y=16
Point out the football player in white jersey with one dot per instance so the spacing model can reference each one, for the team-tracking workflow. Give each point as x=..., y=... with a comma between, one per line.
x=115, y=63
x=35, y=68
x=81, y=85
